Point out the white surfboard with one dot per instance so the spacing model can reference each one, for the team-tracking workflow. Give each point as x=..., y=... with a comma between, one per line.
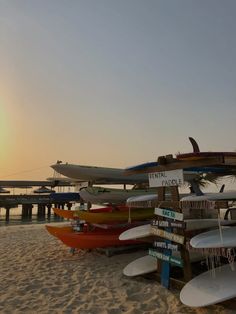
x=149, y=200
x=136, y=233
x=143, y=265
x=142, y=200
x=146, y=200
x=196, y=224
x=228, y=195
x=205, y=289
x=148, y=264
x=191, y=224
x=215, y=238
x=101, y=195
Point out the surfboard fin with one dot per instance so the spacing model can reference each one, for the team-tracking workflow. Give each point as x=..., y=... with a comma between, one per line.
x=196, y=148
x=222, y=188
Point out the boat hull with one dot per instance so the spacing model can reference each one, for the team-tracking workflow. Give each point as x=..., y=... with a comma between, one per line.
x=116, y=216
x=55, y=230
x=93, y=239
x=72, y=214
x=101, y=195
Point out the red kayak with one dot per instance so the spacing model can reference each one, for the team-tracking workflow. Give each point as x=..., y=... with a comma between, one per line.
x=55, y=230
x=97, y=238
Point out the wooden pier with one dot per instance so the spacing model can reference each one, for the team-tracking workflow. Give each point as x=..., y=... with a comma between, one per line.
x=44, y=203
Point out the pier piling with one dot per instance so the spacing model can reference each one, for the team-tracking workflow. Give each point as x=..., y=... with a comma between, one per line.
x=7, y=213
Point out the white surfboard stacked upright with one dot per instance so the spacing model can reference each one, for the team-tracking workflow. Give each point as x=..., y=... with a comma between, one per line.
x=212, y=286
x=218, y=284
x=204, y=289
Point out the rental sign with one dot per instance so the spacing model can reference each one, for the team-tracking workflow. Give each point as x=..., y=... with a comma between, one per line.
x=166, y=178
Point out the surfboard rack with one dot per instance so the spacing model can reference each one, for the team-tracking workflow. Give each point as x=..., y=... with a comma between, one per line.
x=177, y=163
x=171, y=209
x=171, y=235
x=110, y=251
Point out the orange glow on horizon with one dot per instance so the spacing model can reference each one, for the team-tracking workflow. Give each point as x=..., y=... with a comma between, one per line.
x=3, y=132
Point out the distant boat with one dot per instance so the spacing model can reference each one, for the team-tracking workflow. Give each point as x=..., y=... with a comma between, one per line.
x=43, y=189
x=2, y=190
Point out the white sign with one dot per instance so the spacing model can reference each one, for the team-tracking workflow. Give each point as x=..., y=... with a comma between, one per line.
x=165, y=245
x=166, y=178
x=169, y=214
x=167, y=235
x=167, y=258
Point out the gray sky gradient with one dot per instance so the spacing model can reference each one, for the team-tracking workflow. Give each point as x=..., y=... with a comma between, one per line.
x=115, y=83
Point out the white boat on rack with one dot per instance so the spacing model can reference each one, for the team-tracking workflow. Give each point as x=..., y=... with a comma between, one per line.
x=98, y=175
x=101, y=195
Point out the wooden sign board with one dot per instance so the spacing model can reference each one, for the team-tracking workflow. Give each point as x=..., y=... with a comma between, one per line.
x=168, y=224
x=165, y=245
x=169, y=214
x=166, y=178
x=167, y=235
x=167, y=258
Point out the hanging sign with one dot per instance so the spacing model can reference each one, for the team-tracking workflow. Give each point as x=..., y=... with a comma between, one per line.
x=168, y=224
x=166, y=178
x=168, y=214
x=167, y=235
x=165, y=245
x=167, y=258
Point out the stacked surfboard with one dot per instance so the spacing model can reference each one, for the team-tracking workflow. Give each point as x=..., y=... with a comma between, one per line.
x=213, y=286
x=217, y=284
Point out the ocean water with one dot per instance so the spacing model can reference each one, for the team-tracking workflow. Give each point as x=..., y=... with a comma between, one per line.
x=16, y=218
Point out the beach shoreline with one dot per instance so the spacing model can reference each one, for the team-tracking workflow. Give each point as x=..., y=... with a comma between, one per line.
x=39, y=274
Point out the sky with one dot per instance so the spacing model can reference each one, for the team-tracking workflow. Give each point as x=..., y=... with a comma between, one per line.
x=113, y=83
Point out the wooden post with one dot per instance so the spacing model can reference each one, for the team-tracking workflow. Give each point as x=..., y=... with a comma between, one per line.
x=7, y=213
x=163, y=262
x=184, y=252
x=41, y=211
x=57, y=217
x=160, y=197
x=30, y=210
x=49, y=206
x=69, y=205
x=24, y=211
x=165, y=266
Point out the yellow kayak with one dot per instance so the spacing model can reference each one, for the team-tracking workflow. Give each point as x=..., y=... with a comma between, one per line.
x=116, y=216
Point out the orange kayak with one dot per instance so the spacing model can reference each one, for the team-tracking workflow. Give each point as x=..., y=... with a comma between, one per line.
x=98, y=238
x=55, y=230
x=68, y=214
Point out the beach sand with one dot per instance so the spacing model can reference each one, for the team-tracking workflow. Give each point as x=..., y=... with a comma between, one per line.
x=38, y=274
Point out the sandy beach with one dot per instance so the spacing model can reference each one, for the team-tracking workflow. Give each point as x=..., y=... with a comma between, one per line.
x=40, y=275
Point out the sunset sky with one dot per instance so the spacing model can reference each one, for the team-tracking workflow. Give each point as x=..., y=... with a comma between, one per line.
x=113, y=83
